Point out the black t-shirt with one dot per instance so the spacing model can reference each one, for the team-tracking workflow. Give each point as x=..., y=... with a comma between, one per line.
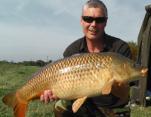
x=111, y=44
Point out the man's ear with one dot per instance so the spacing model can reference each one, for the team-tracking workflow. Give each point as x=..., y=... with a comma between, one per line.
x=106, y=21
x=81, y=21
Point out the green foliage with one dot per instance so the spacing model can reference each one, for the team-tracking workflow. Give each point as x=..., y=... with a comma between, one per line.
x=40, y=63
x=34, y=63
x=134, y=49
x=141, y=111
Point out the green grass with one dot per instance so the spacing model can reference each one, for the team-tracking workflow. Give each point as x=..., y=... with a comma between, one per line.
x=13, y=76
x=141, y=112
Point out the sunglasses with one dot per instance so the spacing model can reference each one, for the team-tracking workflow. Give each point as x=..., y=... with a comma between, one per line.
x=90, y=19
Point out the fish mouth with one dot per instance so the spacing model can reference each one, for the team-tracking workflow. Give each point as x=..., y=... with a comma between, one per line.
x=144, y=72
x=142, y=69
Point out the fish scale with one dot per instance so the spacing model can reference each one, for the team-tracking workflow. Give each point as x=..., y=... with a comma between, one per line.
x=76, y=78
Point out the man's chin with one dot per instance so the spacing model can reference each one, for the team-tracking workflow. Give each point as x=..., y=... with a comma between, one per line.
x=92, y=37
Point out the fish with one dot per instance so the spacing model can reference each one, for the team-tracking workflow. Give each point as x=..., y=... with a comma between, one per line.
x=77, y=77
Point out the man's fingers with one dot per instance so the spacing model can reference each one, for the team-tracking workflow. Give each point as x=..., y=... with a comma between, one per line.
x=48, y=96
x=42, y=98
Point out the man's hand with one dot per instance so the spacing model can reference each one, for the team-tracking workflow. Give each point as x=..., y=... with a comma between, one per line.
x=48, y=96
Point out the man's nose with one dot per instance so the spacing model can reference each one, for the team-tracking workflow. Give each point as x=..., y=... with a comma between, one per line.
x=93, y=23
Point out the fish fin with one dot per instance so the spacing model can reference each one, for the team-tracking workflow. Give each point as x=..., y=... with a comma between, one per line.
x=9, y=99
x=77, y=104
x=121, y=90
x=107, y=88
x=18, y=106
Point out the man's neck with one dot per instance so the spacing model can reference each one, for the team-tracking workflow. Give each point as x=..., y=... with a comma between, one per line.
x=95, y=45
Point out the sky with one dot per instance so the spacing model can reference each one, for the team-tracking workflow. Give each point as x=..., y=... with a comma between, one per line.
x=42, y=29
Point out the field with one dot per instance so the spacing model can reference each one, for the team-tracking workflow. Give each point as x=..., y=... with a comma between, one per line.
x=12, y=76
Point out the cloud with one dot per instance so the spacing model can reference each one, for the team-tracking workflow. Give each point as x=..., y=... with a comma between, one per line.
x=125, y=18
x=37, y=29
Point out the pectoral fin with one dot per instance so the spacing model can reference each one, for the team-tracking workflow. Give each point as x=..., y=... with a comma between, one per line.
x=107, y=88
x=121, y=90
x=77, y=104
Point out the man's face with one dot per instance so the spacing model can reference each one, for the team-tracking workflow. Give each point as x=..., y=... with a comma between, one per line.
x=91, y=28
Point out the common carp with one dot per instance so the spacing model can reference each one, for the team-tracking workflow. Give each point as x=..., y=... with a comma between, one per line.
x=76, y=78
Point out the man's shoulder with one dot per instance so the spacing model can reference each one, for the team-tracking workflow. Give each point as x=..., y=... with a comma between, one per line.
x=115, y=42
x=73, y=47
x=118, y=45
x=76, y=43
x=114, y=39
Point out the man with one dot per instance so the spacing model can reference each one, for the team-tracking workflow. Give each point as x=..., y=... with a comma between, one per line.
x=93, y=21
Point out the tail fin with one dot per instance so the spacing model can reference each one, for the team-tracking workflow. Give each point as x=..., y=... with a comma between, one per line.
x=18, y=106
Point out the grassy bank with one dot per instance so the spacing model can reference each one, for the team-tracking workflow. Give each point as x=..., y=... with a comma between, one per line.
x=12, y=76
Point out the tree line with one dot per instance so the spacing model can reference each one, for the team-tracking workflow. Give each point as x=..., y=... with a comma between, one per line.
x=39, y=63
x=133, y=46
